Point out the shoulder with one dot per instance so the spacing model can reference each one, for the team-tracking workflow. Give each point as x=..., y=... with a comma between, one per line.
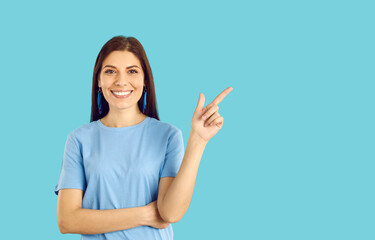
x=83, y=131
x=164, y=127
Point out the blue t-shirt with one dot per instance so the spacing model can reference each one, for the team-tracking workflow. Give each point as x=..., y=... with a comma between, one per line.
x=121, y=168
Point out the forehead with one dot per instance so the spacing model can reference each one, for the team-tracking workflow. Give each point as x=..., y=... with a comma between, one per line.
x=121, y=59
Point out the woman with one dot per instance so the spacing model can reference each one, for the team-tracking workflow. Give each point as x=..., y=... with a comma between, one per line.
x=126, y=175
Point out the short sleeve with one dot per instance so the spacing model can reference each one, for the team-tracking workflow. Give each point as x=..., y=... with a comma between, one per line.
x=174, y=155
x=72, y=173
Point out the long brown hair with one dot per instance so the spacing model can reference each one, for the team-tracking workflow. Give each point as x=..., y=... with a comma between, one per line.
x=130, y=44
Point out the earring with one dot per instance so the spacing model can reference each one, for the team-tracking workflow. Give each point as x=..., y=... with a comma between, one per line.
x=144, y=101
x=99, y=100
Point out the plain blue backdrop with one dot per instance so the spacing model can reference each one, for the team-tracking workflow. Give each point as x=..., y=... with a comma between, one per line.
x=295, y=157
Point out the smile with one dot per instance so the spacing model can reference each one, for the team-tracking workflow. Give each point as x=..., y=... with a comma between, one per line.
x=122, y=94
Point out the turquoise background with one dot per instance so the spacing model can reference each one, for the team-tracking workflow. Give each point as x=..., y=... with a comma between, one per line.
x=295, y=157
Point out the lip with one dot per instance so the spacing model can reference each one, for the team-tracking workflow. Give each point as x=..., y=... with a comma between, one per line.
x=119, y=90
x=125, y=96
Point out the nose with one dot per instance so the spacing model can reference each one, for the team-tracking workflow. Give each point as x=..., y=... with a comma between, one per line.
x=121, y=80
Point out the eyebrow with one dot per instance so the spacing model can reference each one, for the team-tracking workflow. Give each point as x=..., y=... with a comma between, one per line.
x=115, y=67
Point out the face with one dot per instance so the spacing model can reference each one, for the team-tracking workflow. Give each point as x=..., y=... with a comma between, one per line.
x=121, y=71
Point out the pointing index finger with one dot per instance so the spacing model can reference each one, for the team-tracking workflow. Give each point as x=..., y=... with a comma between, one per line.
x=222, y=95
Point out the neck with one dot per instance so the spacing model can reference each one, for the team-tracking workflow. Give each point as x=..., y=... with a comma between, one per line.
x=123, y=118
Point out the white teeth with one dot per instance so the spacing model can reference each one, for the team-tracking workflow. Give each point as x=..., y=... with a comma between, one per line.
x=121, y=93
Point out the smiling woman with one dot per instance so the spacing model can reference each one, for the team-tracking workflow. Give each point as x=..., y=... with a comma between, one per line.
x=114, y=166
x=126, y=175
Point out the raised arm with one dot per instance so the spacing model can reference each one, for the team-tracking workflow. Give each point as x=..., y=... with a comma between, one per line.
x=72, y=218
x=175, y=193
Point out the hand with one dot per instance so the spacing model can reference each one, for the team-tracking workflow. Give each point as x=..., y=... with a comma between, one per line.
x=198, y=124
x=154, y=218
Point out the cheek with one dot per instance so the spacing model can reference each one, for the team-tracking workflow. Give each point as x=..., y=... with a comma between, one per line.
x=138, y=83
x=106, y=81
x=138, y=80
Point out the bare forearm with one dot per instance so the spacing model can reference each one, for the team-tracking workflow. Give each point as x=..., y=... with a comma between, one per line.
x=178, y=197
x=90, y=221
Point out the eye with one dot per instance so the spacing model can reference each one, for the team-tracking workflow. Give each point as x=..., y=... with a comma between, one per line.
x=133, y=70
x=108, y=71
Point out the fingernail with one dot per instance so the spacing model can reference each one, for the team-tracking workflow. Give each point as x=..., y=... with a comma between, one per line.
x=204, y=117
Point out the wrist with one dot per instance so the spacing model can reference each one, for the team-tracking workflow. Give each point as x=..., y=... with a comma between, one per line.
x=144, y=215
x=194, y=136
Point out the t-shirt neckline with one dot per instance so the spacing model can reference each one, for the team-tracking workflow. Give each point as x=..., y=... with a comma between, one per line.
x=121, y=129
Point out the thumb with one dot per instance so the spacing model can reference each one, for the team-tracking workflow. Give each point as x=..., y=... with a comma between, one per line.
x=200, y=102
